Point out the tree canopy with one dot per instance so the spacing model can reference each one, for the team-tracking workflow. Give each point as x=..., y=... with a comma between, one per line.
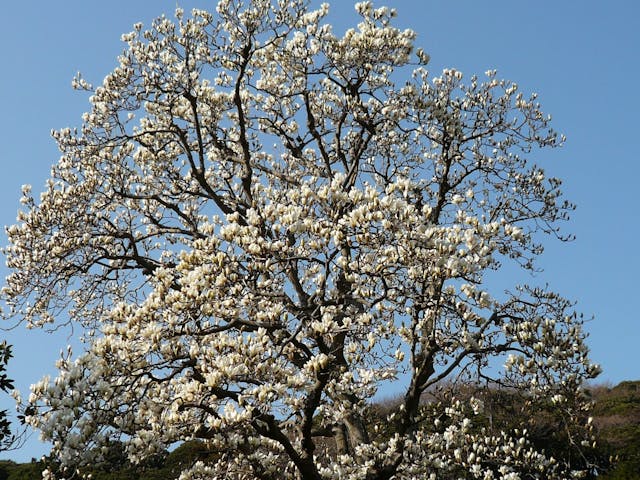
x=261, y=222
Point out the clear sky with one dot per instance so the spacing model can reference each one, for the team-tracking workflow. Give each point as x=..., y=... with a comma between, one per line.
x=582, y=57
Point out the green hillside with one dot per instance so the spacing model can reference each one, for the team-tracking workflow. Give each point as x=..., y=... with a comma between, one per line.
x=617, y=417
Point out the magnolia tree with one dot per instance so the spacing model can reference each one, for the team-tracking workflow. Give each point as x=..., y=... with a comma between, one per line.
x=261, y=223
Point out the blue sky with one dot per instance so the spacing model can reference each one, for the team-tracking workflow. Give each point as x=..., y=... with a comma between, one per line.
x=581, y=57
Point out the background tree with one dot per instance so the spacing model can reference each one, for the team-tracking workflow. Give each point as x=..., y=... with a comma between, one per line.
x=261, y=222
x=7, y=438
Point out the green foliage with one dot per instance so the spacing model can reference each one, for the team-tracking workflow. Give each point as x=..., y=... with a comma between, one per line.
x=7, y=439
x=21, y=471
x=186, y=454
x=617, y=416
x=624, y=399
x=114, y=465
